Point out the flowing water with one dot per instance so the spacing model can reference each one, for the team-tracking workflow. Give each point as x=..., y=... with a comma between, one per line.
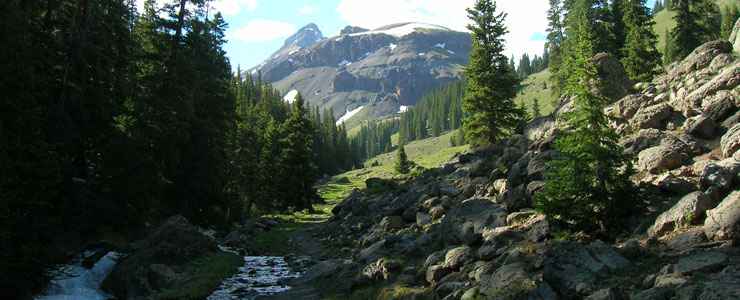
x=260, y=276
x=75, y=282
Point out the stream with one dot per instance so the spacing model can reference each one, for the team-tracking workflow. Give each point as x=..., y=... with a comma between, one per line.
x=259, y=276
x=75, y=282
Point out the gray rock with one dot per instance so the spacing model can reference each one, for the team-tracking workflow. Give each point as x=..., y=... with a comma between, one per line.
x=719, y=106
x=437, y=212
x=723, y=222
x=703, y=262
x=391, y=223
x=722, y=175
x=642, y=140
x=511, y=281
x=687, y=239
x=436, y=273
x=655, y=116
x=672, y=153
x=730, y=142
x=423, y=219
x=519, y=217
x=457, y=257
x=382, y=269
x=607, y=294
x=373, y=252
x=689, y=210
x=573, y=269
x=701, y=126
x=469, y=220
x=662, y=293
x=616, y=83
x=670, y=280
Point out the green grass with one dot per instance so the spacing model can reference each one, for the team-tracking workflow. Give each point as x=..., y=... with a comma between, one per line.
x=202, y=276
x=537, y=86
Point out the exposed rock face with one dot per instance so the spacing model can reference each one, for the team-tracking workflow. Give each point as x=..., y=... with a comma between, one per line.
x=473, y=218
x=689, y=210
x=723, y=222
x=616, y=83
x=380, y=69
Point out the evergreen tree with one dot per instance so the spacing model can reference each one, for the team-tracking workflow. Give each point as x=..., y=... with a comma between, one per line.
x=491, y=113
x=697, y=22
x=525, y=66
x=554, y=45
x=536, y=110
x=619, y=26
x=587, y=186
x=298, y=173
x=641, y=59
x=403, y=165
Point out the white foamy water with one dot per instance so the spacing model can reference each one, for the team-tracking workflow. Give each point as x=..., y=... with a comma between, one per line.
x=75, y=282
x=260, y=276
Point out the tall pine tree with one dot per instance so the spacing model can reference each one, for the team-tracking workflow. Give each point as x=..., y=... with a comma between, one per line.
x=587, y=186
x=488, y=102
x=641, y=59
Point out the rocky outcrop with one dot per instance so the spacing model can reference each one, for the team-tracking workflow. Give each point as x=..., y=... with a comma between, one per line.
x=723, y=222
x=688, y=211
x=161, y=261
x=735, y=37
x=730, y=143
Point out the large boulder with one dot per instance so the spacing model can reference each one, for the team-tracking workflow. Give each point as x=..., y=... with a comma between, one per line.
x=512, y=281
x=156, y=262
x=670, y=154
x=615, y=84
x=689, y=210
x=573, y=269
x=654, y=116
x=723, y=222
x=700, y=58
x=457, y=257
x=730, y=142
x=465, y=223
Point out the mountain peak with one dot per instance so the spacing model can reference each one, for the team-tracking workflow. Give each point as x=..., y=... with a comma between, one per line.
x=305, y=37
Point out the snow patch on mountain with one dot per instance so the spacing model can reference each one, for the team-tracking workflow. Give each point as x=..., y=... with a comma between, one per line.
x=402, y=30
x=290, y=96
x=349, y=114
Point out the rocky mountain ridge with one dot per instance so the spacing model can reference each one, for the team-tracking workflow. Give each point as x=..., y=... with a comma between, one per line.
x=468, y=231
x=379, y=70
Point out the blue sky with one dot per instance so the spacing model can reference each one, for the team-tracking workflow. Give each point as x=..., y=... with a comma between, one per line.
x=257, y=28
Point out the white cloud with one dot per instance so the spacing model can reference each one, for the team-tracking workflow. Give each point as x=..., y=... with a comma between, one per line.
x=234, y=7
x=260, y=30
x=226, y=7
x=307, y=10
x=525, y=17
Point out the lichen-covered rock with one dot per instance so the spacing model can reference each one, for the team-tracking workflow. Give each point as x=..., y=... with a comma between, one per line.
x=701, y=126
x=720, y=105
x=642, y=140
x=654, y=116
x=512, y=281
x=689, y=210
x=703, y=262
x=661, y=158
x=730, y=142
x=723, y=222
x=573, y=269
x=457, y=257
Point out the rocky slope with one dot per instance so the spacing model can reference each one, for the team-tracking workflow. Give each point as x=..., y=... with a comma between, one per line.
x=379, y=70
x=468, y=231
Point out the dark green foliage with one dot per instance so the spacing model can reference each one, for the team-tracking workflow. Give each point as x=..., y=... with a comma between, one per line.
x=111, y=120
x=536, y=111
x=697, y=22
x=640, y=58
x=619, y=27
x=403, y=165
x=555, y=39
x=374, y=138
x=529, y=66
x=587, y=185
x=657, y=7
x=491, y=82
x=437, y=112
x=730, y=14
